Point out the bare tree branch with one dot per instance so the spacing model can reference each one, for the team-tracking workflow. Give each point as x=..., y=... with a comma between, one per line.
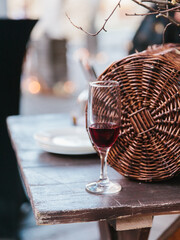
x=159, y=12
x=171, y=20
x=102, y=28
x=161, y=9
x=161, y=2
x=155, y=11
x=145, y=6
x=165, y=31
x=171, y=9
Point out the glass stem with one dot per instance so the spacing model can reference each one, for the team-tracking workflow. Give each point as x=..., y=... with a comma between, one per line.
x=103, y=170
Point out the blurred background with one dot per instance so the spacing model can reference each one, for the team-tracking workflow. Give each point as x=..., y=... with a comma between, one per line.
x=59, y=62
x=52, y=68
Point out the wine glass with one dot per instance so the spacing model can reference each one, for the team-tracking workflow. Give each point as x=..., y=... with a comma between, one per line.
x=103, y=124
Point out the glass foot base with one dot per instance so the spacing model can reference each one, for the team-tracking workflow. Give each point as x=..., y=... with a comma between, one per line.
x=98, y=188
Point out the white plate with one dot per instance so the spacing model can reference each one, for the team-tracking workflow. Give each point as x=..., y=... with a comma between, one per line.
x=70, y=141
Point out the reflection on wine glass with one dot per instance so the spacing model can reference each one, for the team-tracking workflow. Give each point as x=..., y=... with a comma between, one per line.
x=103, y=123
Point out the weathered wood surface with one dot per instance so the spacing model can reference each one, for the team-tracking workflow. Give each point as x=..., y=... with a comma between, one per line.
x=56, y=183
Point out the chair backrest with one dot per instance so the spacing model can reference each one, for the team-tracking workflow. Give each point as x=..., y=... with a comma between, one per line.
x=14, y=35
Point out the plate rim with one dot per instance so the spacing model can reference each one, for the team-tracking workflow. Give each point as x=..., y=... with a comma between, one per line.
x=65, y=150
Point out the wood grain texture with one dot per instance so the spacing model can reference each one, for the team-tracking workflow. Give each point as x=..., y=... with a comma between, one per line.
x=56, y=183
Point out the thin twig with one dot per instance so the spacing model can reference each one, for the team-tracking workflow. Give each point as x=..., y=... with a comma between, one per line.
x=159, y=2
x=102, y=28
x=145, y=6
x=154, y=12
x=172, y=20
x=171, y=9
x=168, y=2
x=140, y=14
x=165, y=31
x=158, y=13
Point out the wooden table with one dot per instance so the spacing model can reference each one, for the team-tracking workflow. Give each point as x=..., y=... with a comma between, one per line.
x=56, y=186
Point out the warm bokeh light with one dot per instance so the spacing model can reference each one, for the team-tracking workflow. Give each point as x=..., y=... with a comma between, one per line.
x=101, y=58
x=81, y=53
x=34, y=86
x=69, y=87
x=159, y=28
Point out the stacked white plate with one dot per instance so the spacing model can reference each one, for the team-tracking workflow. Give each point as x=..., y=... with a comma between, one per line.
x=69, y=141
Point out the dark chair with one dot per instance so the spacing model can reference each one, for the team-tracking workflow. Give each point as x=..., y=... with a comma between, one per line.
x=150, y=32
x=14, y=35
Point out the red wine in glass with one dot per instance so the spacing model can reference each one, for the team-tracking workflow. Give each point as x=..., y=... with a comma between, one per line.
x=103, y=122
x=104, y=135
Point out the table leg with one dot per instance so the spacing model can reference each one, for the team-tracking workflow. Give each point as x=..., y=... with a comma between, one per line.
x=126, y=228
x=107, y=232
x=172, y=232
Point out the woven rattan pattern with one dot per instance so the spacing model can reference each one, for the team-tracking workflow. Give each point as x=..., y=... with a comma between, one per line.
x=148, y=147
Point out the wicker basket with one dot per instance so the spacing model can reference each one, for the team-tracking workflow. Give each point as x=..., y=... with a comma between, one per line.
x=148, y=147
